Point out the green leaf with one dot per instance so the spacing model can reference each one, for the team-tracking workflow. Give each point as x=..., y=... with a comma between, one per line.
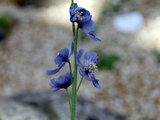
x=156, y=56
x=107, y=62
x=5, y=21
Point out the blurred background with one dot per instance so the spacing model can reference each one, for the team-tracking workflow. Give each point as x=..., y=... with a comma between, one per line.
x=33, y=31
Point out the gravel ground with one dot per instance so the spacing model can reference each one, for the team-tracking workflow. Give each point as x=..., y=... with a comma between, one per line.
x=132, y=88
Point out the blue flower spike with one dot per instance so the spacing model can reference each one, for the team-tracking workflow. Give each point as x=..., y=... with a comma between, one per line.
x=88, y=68
x=61, y=59
x=64, y=81
x=84, y=20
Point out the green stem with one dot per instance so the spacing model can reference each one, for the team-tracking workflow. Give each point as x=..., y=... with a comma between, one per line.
x=80, y=84
x=73, y=30
x=74, y=84
x=73, y=25
x=68, y=99
x=72, y=3
x=70, y=69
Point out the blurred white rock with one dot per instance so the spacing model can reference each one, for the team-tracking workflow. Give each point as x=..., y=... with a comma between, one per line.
x=128, y=23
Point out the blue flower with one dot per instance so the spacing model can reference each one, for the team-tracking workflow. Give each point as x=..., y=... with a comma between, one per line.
x=84, y=20
x=64, y=81
x=89, y=67
x=61, y=59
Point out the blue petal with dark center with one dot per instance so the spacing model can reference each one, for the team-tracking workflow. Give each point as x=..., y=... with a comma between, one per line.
x=82, y=73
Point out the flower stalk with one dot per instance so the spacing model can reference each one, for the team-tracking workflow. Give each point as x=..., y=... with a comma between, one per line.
x=74, y=84
x=87, y=69
x=69, y=99
x=70, y=70
x=79, y=84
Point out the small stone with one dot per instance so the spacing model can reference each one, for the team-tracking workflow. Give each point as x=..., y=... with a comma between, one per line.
x=2, y=34
x=128, y=23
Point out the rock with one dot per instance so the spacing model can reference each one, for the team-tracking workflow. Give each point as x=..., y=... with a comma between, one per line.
x=51, y=106
x=2, y=34
x=12, y=110
x=128, y=23
x=36, y=3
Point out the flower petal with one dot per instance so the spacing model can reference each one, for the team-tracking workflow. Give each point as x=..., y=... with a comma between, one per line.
x=64, y=53
x=52, y=72
x=90, y=57
x=93, y=79
x=88, y=27
x=85, y=13
x=58, y=60
x=86, y=16
x=68, y=80
x=78, y=58
x=96, y=84
x=93, y=37
x=72, y=10
x=53, y=86
x=73, y=18
x=64, y=81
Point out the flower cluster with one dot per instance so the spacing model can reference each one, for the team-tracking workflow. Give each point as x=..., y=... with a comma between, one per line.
x=88, y=68
x=61, y=59
x=84, y=20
